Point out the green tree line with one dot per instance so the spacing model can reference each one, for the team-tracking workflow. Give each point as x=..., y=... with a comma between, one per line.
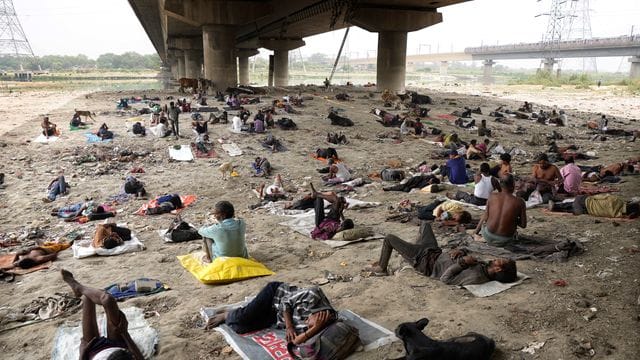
x=126, y=61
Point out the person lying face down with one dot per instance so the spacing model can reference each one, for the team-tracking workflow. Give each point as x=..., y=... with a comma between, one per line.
x=303, y=313
x=454, y=268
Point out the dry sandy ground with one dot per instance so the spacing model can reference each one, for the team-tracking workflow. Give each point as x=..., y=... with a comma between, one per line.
x=536, y=311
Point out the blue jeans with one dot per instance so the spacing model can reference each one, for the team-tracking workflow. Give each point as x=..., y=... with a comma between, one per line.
x=58, y=187
x=257, y=314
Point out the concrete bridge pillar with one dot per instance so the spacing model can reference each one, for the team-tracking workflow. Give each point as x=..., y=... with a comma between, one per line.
x=218, y=43
x=487, y=74
x=243, y=64
x=444, y=68
x=281, y=47
x=180, y=68
x=392, y=60
x=392, y=26
x=547, y=64
x=270, y=71
x=193, y=63
x=635, y=67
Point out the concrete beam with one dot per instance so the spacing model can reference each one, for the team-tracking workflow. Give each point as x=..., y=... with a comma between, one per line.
x=185, y=43
x=390, y=19
x=635, y=67
x=224, y=12
x=281, y=43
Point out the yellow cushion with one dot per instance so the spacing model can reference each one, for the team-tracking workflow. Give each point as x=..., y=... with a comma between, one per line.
x=223, y=270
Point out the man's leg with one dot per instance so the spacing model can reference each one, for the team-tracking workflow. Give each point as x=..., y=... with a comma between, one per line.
x=426, y=237
x=89, y=323
x=208, y=245
x=62, y=185
x=319, y=210
x=257, y=314
x=407, y=250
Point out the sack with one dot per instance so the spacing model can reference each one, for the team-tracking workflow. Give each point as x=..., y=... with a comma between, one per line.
x=182, y=232
x=138, y=129
x=338, y=341
x=391, y=175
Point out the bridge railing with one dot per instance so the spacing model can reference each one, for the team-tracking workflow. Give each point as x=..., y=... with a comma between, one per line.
x=621, y=41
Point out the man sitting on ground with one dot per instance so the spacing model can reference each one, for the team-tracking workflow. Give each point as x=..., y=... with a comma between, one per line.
x=572, y=178
x=453, y=268
x=504, y=168
x=600, y=205
x=503, y=215
x=227, y=237
x=118, y=344
x=76, y=121
x=303, y=313
x=547, y=176
x=485, y=184
x=261, y=166
x=338, y=172
x=134, y=186
x=455, y=169
x=49, y=128
x=473, y=152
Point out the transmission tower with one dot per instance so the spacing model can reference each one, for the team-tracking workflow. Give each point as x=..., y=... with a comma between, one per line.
x=568, y=20
x=13, y=41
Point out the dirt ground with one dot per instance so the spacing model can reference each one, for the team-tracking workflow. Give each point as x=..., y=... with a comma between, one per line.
x=597, y=315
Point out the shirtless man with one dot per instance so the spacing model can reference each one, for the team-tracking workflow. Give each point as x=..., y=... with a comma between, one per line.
x=547, y=176
x=503, y=215
x=26, y=259
x=48, y=128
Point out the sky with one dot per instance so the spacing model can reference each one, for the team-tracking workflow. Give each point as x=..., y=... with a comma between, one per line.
x=94, y=27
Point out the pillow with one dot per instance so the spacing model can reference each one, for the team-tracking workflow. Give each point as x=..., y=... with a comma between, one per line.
x=353, y=234
x=223, y=270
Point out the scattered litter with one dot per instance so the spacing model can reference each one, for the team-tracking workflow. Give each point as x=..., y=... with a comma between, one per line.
x=531, y=348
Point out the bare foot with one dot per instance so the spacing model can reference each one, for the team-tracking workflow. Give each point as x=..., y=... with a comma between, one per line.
x=216, y=321
x=71, y=281
x=376, y=270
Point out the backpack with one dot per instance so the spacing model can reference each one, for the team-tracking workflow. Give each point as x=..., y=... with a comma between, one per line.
x=337, y=342
x=138, y=129
x=181, y=231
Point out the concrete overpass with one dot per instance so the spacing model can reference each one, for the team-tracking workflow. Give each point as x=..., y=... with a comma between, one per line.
x=596, y=47
x=214, y=38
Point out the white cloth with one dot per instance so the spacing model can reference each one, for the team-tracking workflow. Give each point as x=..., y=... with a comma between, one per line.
x=236, y=124
x=104, y=354
x=484, y=188
x=343, y=173
x=159, y=130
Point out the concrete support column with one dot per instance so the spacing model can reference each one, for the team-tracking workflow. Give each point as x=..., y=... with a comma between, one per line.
x=180, y=65
x=174, y=69
x=635, y=67
x=281, y=47
x=218, y=42
x=392, y=60
x=280, y=67
x=547, y=64
x=270, y=76
x=444, y=68
x=192, y=63
x=243, y=64
x=487, y=75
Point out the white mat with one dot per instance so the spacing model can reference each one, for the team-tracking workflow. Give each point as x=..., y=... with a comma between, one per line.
x=43, y=139
x=182, y=154
x=494, y=287
x=232, y=149
x=82, y=249
x=66, y=344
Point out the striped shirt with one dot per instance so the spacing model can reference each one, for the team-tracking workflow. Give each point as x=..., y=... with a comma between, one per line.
x=301, y=303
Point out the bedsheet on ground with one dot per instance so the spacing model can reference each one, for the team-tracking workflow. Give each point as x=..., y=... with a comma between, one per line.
x=203, y=155
x=232, y=149
x=270, y=343
x=43, y=139
x=494, y=287
x=83, y=248
x=93, y=138
x=66, y=344
x=182, y=154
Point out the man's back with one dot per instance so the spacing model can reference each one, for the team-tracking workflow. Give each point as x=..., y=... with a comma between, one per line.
x=505, y=213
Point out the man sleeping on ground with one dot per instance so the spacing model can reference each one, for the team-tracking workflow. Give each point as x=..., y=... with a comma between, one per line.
x=302, y=312
x=453, y=268
x=166, y=203
x=327, y=225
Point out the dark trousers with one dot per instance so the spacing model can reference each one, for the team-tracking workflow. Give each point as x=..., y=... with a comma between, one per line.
x=577, y=207
x=470, y=198
x=175, y=127
x=319, y=210
x=257, y=314
x=420, y=255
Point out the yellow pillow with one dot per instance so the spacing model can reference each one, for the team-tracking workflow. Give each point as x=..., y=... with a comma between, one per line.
x=223, y=270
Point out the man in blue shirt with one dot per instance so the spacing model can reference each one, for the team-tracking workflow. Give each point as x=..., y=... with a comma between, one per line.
x=456, y=169
x=226, y=238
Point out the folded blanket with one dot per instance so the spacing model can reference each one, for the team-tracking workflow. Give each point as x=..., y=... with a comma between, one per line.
x=135, y=288
x=43, y=139
x=182, y=154
x=83, y=248
x=186, y=201
x=232, y=149
x=66, y=344
x=93, y=138
x=269, y=343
